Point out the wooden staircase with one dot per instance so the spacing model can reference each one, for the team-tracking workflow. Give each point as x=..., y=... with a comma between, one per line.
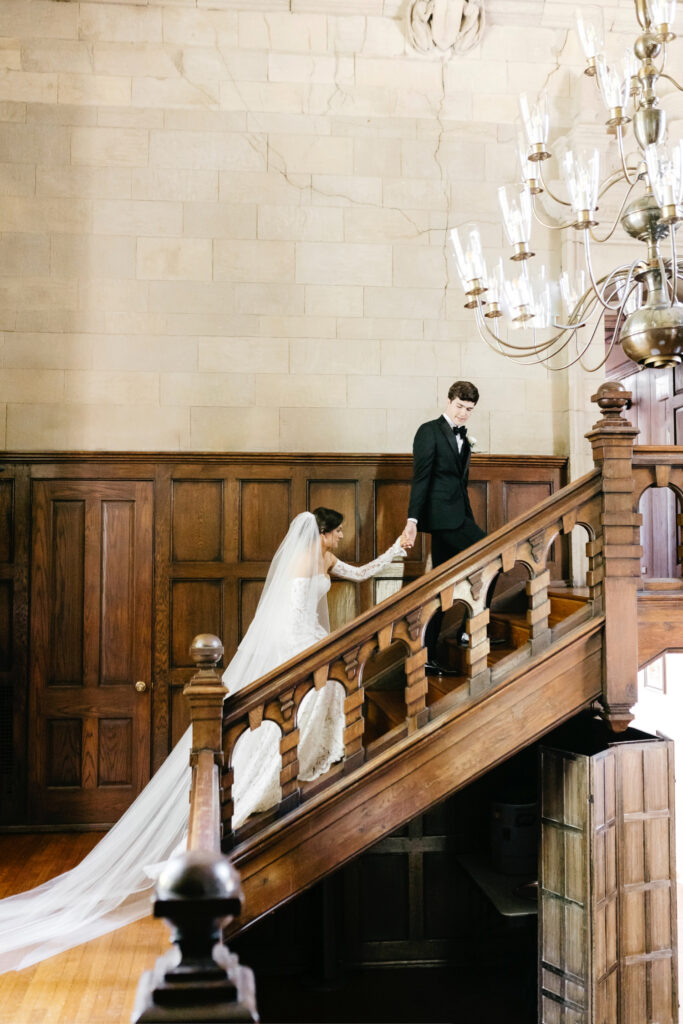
x=411, y=739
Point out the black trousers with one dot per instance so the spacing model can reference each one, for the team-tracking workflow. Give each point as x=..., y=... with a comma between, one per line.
x=446, y=544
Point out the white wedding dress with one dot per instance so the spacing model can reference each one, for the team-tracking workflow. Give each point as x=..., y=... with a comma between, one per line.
x=112, y=886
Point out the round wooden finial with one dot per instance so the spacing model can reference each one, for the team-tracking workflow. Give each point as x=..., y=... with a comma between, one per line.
x=612, y=398
x=206, y=649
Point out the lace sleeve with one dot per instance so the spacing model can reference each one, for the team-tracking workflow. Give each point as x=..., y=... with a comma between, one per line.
x=358, y=573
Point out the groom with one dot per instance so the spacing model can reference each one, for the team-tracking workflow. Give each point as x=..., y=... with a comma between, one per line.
x=439, y=503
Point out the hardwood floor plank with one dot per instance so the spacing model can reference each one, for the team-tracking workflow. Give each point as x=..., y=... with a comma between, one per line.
x=91, y=984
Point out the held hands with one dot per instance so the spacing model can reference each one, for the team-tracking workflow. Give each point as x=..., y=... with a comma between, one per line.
x=409, y=535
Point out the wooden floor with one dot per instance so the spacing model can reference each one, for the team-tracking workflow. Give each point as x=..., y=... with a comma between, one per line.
x=92, y=984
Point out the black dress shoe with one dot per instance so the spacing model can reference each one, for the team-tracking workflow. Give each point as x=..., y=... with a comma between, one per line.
x=497, y=641
x=434, y=669
x=464, y=640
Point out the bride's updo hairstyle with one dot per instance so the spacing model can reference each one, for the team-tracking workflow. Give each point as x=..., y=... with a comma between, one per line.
x=327, y=519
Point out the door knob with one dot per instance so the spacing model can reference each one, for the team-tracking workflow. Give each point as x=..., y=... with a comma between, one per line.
x=140, y=686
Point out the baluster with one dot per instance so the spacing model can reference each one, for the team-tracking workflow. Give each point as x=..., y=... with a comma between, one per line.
x=538, y=611
x=476, y=655
x=289, y=751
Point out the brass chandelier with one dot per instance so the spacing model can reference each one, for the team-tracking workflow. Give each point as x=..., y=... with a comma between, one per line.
x=559, y=320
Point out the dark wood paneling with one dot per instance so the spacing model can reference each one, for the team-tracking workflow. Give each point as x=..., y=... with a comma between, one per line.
x=115, y=751
x=6, y=520
x=518, y=497
x=479, y=500
x=196, y=607
x=67, y=593
x=250, y=592
x=216, y=521
x=265, y=513
x=197, y=520
x=64, y=752
x=391, y=502
x=341, y=495
x=6, y=631
x=117, y=625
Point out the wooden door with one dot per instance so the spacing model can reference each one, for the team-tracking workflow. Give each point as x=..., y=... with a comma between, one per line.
x=91, y=629
x=607, y=886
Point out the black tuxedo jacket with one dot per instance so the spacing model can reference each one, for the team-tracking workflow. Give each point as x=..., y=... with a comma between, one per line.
x=438, y=495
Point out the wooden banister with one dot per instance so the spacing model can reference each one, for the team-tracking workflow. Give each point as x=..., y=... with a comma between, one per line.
x=199, y=892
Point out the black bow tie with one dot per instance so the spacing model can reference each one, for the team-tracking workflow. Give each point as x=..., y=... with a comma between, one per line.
x=460, y=432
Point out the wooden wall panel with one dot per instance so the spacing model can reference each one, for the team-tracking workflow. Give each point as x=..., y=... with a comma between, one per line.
x=6, y=520
x=265, y=514
x=391, y=503
x=341, y=495
x=250, y=592
x=115, y=750
x=64, y=752
x=479, y=500
x=197, y=520
x=117, y=615
x=217, y=520
x=67, y=599
x=196, y=607
x=6, y=630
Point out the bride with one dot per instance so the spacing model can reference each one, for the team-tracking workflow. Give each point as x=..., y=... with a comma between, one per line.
x=111, y=887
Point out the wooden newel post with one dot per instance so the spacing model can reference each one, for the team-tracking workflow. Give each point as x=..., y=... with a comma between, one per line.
x=612, y=440
x=206, y=693
x=198, y=893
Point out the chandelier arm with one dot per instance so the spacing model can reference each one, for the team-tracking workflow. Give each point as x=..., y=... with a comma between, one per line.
x=562, y=202
x=608, y=353
x=550, y=227
x=609, y=234
x=613, y=179
x=672, y=80
x=624, y=167
x=578, y=358
x=589, y=264
x=523, y=350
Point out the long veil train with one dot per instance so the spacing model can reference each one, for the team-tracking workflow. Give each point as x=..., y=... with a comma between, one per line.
x=111, y=887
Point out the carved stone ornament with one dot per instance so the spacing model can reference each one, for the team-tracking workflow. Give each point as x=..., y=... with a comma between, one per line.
x=444, y=27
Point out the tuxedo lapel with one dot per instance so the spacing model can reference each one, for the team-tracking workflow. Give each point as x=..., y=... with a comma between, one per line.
x=450, y=437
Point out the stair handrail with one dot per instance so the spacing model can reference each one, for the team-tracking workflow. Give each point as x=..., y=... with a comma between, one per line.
x=601, y=502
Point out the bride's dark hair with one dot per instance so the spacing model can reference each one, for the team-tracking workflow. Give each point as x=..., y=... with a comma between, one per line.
x=327, y=519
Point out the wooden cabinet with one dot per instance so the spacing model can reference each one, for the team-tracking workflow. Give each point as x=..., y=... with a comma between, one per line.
x=607, y=886
x=114, y=562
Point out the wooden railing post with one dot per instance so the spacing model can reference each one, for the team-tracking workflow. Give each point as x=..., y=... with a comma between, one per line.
x=199, y=892
x=612, y=439
x=206, y=693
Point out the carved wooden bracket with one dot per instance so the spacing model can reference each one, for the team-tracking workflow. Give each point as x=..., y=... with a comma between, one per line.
x=414, y=623
x=476, y=582
x=537, y=545
x=351, y=663
x=287, y=704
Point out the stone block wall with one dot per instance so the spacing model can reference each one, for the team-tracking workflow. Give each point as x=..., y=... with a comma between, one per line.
x=222, y=224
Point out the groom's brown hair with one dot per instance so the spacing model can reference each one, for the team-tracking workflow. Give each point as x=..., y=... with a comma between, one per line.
x=463, y=390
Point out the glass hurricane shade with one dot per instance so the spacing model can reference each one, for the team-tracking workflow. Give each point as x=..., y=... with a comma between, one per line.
x=581, y=170
x=515, y=205
x=519, y=298
x=571, y=291
x=661, y=12
x=495, y=283
x=665, y=171
x=614, y=81
x=590, y=27
x=465, y=244
x=536, y=119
